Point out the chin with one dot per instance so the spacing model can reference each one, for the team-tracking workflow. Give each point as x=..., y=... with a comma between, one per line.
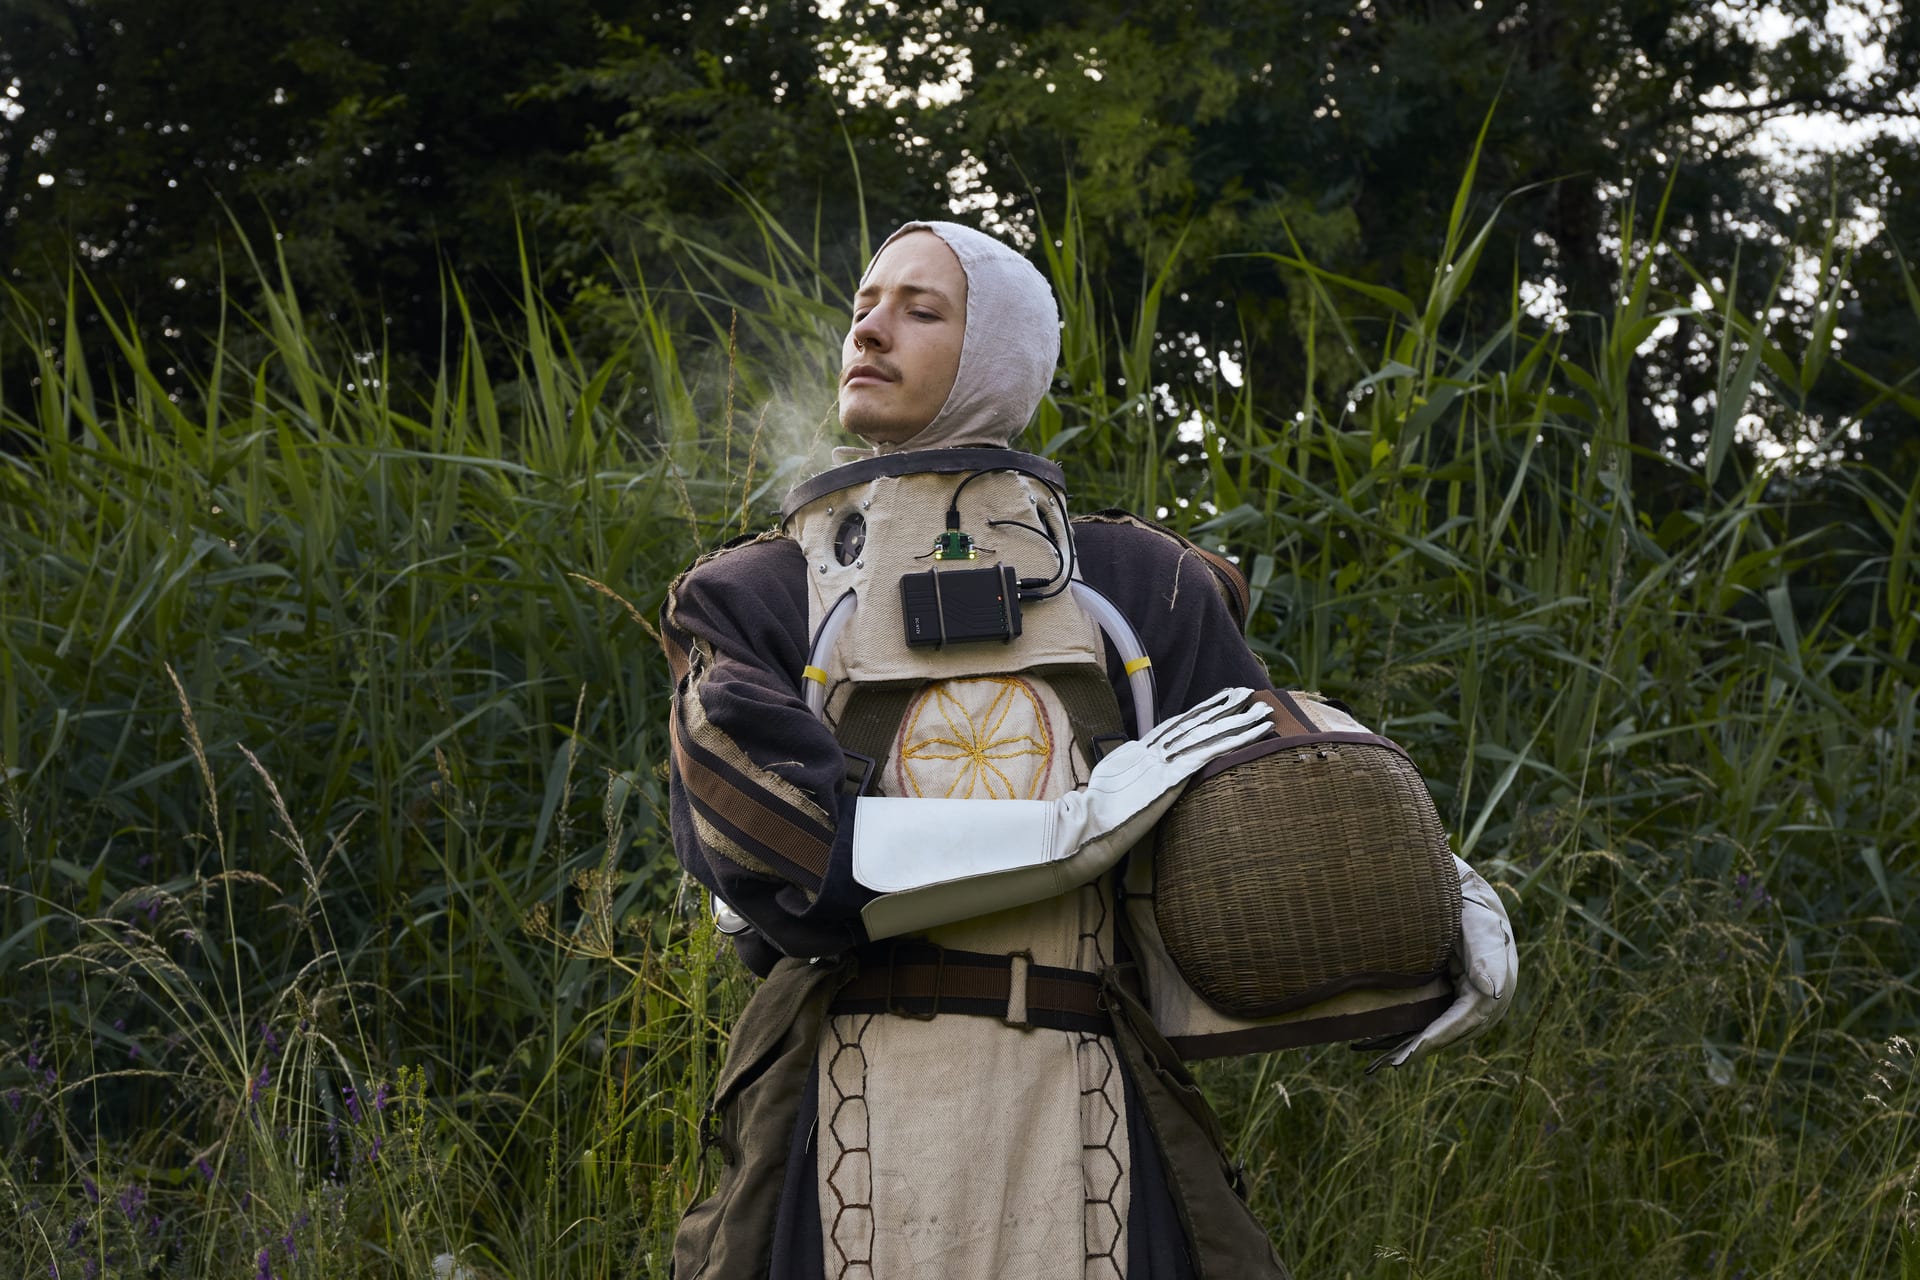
x=879, y=430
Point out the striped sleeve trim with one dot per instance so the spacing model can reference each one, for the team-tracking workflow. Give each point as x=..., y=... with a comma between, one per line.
x=715, y=840
x=742, y=805
x=679, y=660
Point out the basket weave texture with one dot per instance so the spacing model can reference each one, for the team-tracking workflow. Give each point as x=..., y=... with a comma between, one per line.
x=1308, y=870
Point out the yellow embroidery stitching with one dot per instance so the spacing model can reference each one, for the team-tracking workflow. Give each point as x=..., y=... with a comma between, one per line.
x=981, y=745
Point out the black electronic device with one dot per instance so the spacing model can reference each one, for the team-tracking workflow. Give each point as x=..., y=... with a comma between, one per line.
x=953, y=606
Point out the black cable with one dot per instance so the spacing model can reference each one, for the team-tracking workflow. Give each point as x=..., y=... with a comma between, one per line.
x=1067, y=562
x=1060, y=560
x=953, y=504
x=1072, y=558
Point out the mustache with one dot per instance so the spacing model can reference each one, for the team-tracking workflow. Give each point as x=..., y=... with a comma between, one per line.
x=882, y=367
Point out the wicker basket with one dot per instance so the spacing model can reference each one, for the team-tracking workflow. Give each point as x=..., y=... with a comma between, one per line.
x=1303, y=867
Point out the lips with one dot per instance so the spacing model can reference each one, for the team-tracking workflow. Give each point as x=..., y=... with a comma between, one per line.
x=866, y=375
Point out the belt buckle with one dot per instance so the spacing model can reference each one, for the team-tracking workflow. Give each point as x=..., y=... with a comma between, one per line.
x=1019, y=1013
x=859, y=771
x=939, y=973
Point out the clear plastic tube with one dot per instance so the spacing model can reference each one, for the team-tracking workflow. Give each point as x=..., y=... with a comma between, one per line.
x=823, y=641
x=1126, y=643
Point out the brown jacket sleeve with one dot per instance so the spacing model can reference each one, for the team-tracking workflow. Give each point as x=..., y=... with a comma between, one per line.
x=1187, y=604
x=755, y=780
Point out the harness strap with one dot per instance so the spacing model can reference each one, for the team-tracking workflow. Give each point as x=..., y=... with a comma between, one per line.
x=922, y=980
x=871, y=719
x=1091, y=707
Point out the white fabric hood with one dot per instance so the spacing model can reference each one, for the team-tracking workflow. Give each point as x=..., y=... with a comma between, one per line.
x=1007, y=355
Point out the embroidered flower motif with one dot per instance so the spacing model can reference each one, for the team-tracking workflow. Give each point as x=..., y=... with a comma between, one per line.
x=979, y=739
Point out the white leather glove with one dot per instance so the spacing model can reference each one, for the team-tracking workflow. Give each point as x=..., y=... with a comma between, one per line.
x=936, y=861
x=1485, y=967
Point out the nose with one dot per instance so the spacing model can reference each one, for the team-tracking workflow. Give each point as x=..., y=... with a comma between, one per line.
x=870, y=330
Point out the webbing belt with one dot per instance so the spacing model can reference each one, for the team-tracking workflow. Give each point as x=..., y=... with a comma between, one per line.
x=921, y=980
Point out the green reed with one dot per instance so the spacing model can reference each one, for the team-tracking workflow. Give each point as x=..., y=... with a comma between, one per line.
x=340, y=928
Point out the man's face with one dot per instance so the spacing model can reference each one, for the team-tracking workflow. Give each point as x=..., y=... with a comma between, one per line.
x=900, y=357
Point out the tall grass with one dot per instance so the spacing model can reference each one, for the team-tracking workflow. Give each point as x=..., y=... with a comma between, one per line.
x=340, y=930
x=395, y=831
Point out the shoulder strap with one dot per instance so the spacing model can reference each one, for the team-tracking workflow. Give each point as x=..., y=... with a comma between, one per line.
x=870, y=721
x=1092, y=709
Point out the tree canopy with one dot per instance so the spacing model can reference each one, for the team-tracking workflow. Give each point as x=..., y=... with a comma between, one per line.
x=371, y=144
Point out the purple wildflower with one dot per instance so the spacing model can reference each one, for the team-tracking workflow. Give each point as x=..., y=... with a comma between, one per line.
x=133, y=1051
x=373, y=1152
x=15, y=1100
x=381, y=1096
x=91, y=1270
x=353, y=1103
x=131, y=1199
x=264, y=1271
x=286, y=1243
x=1749, y=892
x=258, y=1085
x=91, y=1188
x=206, y=1170
x=269, y=1039
x=74, y=1232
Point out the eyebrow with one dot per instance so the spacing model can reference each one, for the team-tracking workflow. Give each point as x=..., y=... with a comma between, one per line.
x=873, y=290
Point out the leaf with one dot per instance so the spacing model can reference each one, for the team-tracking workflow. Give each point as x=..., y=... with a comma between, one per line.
x=1500, y=786
x=1392, y=369
x=1061, y=438
x=1719, y=1066
x=1390, y=298
x=1730, y=404
x=1780, y=606
x=1226, y=492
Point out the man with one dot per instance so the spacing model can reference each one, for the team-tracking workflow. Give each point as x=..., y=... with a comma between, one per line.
x=945, y=1072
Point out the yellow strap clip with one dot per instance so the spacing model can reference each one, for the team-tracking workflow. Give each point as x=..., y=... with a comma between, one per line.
x=814, y=674
x=1140, y=663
